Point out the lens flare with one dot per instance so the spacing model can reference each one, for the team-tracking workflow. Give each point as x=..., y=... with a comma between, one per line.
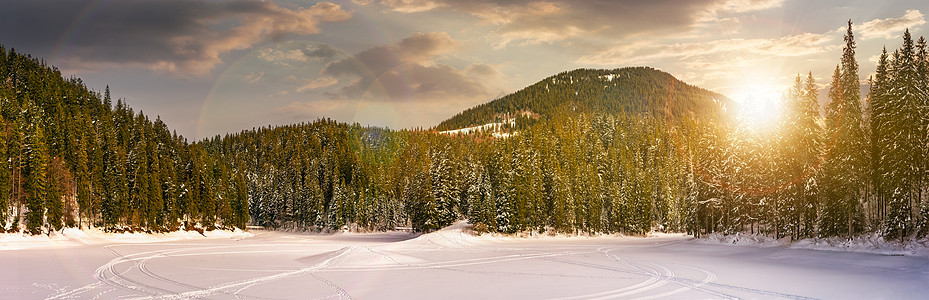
x=759, y=107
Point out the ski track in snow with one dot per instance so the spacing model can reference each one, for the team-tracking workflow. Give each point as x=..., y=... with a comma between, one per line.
x=326, y=267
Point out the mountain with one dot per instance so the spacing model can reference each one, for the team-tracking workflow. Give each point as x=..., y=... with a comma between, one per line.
x=633, y=90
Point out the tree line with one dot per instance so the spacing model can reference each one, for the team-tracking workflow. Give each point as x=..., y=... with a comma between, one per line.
x=858, y=167
x=71, y=157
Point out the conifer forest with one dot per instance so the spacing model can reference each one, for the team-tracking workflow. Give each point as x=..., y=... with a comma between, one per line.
x=630, y=150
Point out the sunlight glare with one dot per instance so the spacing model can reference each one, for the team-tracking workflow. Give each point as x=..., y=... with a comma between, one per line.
x=759, y=106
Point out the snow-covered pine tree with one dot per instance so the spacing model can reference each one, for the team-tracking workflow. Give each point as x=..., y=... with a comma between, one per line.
x=906, y=137
x=803, y=142
x=922, y=82
x=846, y=162
x=444, y=190
x=880, y=114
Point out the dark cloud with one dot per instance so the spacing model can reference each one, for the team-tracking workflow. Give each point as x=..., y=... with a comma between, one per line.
x=321, y=52
x=414, y=82
x=371, y=64
x=180, y=36
x=483, y=71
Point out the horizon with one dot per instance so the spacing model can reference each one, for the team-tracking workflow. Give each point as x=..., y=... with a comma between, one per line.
x=223, y=67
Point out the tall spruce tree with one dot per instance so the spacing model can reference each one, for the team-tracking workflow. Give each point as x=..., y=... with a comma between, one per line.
x=881, y=114
x=803, y=143
x=907, y=135
x=846, y=166
x=922, y=82
x=35, y=172
x=54, y=191
x=82, y=176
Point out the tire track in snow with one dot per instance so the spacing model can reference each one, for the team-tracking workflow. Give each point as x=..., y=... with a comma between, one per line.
x=143, y=267
x=454, y=266
x=115, y=276
x=258, y=280
x=711, y=276
x=654, y=273
x=653, y=280
x=455, y=263
x=341, y=292
x=684, y=282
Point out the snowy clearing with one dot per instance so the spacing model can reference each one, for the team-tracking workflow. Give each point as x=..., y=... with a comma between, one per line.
x=450, y=264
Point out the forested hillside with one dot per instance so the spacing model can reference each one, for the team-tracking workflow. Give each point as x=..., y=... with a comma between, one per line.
x=635, y=91
x=655, y=155
x=73, y=158
x=576, y=172
x=629, y=151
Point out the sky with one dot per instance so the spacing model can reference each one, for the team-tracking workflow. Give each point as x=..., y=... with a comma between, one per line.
x=209, y=67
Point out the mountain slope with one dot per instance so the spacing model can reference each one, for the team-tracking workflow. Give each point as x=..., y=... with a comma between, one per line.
x=633, y=90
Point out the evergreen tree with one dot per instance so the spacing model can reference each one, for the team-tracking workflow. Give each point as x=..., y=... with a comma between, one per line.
x=905, y=132
x=922, y=82
x=881, y=115
x=35, y=173
x=846, y=165
x=803, y=144
x=54, y=191
x=444, y=190
x=5, y=178
x=82, y=178
x=240, y=202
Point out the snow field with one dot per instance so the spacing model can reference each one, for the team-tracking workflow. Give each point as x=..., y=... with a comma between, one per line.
x=453, y=264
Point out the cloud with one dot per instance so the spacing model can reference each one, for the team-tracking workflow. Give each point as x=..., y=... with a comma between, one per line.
x=292, y=52
x=787, y=46
x=891, y=27
x=279, y=94
x=483, y=71
x=414, y=82
x=318, y=83
x=742, y=6
x=377, y=60
x=321, y=52
x=176, y=36
x=411, y=6
x=534, y=22
x=254, y=77
x=369, y=65
x=421, y=46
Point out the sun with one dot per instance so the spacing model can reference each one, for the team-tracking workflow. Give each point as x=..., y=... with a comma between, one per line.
x=759, y=106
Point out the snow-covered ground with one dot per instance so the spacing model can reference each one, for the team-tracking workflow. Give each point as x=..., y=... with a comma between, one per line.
x=451, y=264
x=70, y=237
x=495, y=129
x=872, y=243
